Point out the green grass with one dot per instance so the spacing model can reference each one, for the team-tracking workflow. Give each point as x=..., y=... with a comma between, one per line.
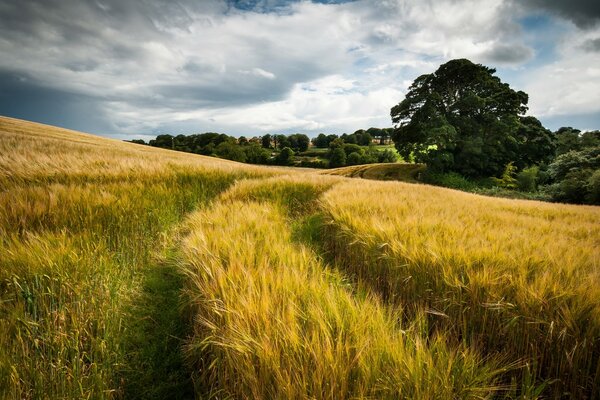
x=154, y=332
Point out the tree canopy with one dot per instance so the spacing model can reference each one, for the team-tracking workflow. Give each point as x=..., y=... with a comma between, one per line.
x=463, y=118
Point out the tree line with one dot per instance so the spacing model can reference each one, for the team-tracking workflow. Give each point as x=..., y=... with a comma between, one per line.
x=279, y=149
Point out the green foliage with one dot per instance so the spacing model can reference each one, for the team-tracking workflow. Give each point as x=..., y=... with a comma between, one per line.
x=570, y=175
x=527, y=179
x=230, y=151
x=594, y=187
x=462, y=118
x=452, y=180
x=256, y=154
x=354, y=159
x=352, y=148
x=570, y=139
x=387, y=156
x=321, y=141
x=266, y=141
x=337, y=157
x=298, y=142
x=508, y=180
x=286, y=157
x=313, y=164
x=339, y=142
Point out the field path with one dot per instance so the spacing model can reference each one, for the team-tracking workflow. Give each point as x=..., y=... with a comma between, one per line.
x=155, y=332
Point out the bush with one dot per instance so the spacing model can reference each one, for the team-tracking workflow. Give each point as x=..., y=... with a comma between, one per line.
x=313, y=164
x=387, y=156
x=508, y=181
x=337, y=157
x=354, y=159
x=527, y=179
x=352, y=148
x=256, y=154
x=230, y=151
x=286, y=157
x=451, y=180
x=594, y=188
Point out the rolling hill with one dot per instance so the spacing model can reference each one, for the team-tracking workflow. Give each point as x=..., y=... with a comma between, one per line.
x=134, y=272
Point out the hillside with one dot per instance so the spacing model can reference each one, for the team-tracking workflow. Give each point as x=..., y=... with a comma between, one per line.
x=128, y=271
x=383, y=172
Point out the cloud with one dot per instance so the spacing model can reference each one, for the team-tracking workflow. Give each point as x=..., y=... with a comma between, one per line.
x=570, y=85
x=256, y=65
x=591, y=45
x=509, y=53
x=584, y=13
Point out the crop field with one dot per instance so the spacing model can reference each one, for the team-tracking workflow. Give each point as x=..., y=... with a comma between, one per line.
x=135, y=272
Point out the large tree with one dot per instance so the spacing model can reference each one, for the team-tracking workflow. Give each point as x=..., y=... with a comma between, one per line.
x=463, y=118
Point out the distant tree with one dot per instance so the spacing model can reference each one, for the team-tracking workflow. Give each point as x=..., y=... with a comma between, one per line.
x=292, y=142
x=281, y=141
x=230, y=151
x=533, y=143
x=163, y=141
x=303, y=142
x=137, y=141
x=567, y=139
x=573, y=176
x=256, y=154
x=354, y=159
x=266, y=141
x=320, y=141
x=350, y=139
x=242, y=141
x=350, y=148
x=590, y=139
x=339, y=142
x=337, y=157
x=570, y=139
x=461, y=118
x=285, y=157
x=378, y=133
x=331, y=138
x=365, y=139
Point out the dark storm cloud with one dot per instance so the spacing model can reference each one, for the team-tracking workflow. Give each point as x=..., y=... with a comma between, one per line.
x=114, y=51
x=584, y=13
x=50, y=106
x=509, y=54
x=592, y=45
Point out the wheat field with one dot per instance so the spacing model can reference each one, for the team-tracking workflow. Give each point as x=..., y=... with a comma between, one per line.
x=133, y=272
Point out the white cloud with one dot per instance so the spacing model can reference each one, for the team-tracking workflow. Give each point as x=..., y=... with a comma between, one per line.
x=205, y=65
x=570, y=84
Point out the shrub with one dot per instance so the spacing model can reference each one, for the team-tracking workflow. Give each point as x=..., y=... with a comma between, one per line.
x=451, y=180
x=387, y=156
x=337, y=158
x=527, y=179
x=594, y=188
x=507, y=180
x=286, y=157
x=354, y=159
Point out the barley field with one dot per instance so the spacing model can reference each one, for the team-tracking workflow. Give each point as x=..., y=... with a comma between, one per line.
x=133, y=272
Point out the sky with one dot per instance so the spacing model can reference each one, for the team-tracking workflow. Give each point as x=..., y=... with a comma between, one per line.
x=135, y=69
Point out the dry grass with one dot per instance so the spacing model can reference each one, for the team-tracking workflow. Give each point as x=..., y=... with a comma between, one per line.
x=516, y=277
x=450, y=295
x=381, y=172
x=273, y=322
x=80, y=217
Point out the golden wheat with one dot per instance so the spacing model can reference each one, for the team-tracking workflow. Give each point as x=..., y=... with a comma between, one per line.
x=516, y=277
